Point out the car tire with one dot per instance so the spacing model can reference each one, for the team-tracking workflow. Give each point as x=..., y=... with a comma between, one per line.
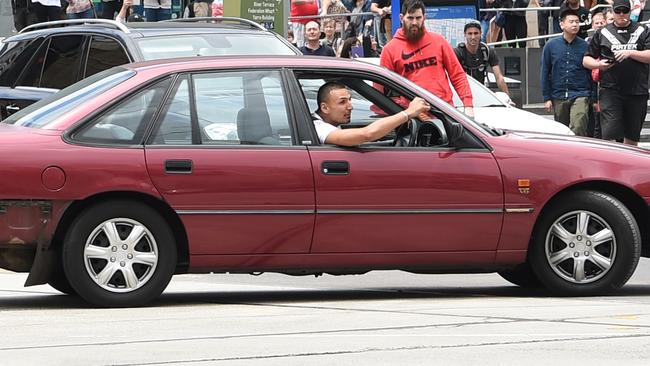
x=57, y=279
x=119, y=254
x=585, y=243
x=522, y=276
x=60, y=282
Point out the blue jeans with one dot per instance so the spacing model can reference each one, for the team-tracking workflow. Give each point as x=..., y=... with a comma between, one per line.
x=154, y=15
x=87, y=14
x=485, y=27
x=379, y=36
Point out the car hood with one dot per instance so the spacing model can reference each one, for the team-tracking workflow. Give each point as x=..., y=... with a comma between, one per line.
x=560, y=160
x=582, y=145
x=515, y=119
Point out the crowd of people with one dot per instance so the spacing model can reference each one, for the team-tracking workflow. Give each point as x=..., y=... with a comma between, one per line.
x=597, y=85
x=27, y=12
x=512, y=25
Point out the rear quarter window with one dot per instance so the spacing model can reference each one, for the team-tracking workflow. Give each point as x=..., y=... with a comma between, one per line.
x=215, y=44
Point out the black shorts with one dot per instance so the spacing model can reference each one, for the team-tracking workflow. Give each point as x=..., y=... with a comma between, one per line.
x=622, y=116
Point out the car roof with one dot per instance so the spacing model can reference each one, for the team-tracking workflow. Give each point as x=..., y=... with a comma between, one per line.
x=299, y=61
x=142, y=29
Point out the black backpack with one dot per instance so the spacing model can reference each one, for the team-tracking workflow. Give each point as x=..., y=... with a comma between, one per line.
x=482, y=67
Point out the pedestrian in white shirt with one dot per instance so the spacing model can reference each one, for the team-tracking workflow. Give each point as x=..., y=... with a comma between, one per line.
x=155, y=10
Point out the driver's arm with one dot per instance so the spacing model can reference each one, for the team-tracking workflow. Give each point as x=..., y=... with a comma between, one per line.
x=377, y=129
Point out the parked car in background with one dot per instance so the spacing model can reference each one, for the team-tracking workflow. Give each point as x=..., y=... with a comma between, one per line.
x=213, y=164
x=494, y=109
x=46, y=57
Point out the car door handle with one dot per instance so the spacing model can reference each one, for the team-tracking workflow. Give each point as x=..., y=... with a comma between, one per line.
x=335, y=167
x=12, y=109
x=178, y=166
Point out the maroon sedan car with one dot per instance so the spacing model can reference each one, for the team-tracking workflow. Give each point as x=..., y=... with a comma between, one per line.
x=147, y=170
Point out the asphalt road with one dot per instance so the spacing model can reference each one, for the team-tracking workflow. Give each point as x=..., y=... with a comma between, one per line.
x=382, y=318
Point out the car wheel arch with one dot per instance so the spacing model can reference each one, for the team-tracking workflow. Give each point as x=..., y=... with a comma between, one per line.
x=624, y=194
x=161, y=207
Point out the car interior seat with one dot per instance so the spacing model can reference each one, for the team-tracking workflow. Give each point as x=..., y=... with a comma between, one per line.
x=254, y=127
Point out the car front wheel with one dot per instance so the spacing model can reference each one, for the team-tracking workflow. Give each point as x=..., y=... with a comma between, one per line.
x=119, y=254
x=585, y=243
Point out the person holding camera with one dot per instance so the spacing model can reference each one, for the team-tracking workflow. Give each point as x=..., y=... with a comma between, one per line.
x=621, y=51
x=566, y=83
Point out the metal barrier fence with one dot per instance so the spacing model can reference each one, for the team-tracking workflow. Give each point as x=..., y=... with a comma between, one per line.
x=489, y=10
x=331, y=15
x=535, y=9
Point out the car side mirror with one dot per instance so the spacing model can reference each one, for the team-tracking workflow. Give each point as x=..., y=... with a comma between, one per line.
x=432, y=133
x=455, y=132
x=439, y=132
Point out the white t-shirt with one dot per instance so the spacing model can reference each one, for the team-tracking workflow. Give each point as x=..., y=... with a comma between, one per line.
x=56, y=3
x=323, y=129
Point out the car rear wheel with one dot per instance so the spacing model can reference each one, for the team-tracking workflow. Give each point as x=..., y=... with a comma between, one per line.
x=522, y=276
x=119, y=254
x=585, y=243
x=58, y=280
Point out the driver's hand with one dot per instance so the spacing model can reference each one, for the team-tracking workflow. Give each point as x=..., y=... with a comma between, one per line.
x=469, y=111
x=425, y=116
x=417, y=106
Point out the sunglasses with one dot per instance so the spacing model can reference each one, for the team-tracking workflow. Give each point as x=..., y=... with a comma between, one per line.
x=621, y=11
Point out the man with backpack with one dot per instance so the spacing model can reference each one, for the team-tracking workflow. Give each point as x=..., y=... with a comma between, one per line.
x=476, y=57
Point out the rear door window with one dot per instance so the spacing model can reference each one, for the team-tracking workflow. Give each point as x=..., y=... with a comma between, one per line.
x=226, y=108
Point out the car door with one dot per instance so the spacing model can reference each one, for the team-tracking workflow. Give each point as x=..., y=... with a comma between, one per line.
x=381, y=198
x=223, y=155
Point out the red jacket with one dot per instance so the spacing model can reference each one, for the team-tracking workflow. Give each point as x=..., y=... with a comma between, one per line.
x=427, y=63
x=303, y=9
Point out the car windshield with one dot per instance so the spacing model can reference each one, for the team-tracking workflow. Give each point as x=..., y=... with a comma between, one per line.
x=232, y=44
x=49, y=109
x=483, y=97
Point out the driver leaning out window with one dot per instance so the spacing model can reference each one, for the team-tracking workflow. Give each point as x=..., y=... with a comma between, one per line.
x=335, y=108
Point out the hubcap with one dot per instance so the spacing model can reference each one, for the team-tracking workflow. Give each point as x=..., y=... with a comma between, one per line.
x=580, y=247
x=121, y=255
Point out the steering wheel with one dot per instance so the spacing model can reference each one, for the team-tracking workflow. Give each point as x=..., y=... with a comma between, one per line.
x=407, y=133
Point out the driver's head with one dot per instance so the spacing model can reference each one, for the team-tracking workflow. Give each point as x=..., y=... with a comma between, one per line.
x=334, y=103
